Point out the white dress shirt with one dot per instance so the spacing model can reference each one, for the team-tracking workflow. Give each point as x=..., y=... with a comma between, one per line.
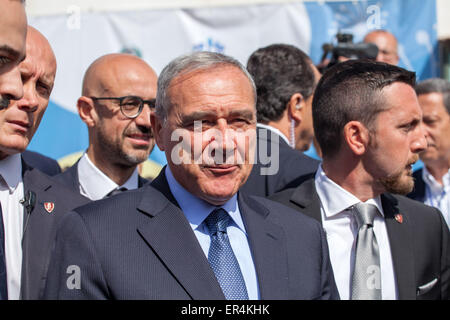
x=11, y=192
x=436, y=194
x=341, y=230
x=95, y=185
x=196, y=210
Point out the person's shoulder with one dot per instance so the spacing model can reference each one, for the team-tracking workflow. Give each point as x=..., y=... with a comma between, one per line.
x=296, y=160
x=281, y=213
x=282, y=196
x=121, y=204
x=43, y=163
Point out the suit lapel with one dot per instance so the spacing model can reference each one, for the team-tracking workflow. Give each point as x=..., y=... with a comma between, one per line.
x=169, y=234
x=400, y=240
x=306, y=197
x=39, y=227
x=268, y=249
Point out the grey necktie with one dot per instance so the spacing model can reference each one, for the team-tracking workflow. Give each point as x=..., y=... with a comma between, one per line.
x=366, y=279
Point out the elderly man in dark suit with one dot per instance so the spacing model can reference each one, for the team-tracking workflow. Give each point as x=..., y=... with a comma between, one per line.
x=285, y=78
x=191, y=234
x=368, y=123
x=31, y=203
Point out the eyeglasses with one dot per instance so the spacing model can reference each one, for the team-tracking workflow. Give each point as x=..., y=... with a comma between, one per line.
x=130, y=106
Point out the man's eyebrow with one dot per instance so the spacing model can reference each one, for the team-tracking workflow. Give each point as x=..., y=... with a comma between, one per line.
x=203, y=114
x=197, y=115
x=242, y=113
x=12, y=52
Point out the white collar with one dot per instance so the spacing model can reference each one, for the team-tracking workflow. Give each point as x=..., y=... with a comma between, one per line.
x=336, y=199
x=11, y=170
x=96, y=184
x=275, y=130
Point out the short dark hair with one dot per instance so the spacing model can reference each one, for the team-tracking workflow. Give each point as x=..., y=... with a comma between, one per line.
x=279, y=71
x=351, y=91
x=436, y=85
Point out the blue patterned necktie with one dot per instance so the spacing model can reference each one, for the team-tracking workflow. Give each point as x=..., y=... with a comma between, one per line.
x=222, y=259
x=3, y=283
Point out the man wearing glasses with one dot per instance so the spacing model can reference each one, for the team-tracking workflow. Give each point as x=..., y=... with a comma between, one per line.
x=118, y=96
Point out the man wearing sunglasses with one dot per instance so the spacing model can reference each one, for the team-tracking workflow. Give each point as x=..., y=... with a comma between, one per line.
x=118, y=96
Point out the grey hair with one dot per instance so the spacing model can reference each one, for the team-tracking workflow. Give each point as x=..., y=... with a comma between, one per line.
x=184, y=64
x=437, y=85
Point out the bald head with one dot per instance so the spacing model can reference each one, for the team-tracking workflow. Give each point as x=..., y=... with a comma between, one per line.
x=118, y=142
x=41, y=56
x=113, y=71
x=387, y=45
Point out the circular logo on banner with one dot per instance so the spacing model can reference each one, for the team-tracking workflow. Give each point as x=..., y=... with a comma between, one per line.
x=209, y=45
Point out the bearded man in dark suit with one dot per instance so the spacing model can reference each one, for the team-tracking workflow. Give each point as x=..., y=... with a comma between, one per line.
x=368, y=123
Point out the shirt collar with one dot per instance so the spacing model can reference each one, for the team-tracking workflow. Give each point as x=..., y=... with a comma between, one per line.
x=431, y=182
x=96, y=184
x=336, y=199
x=195, y=209
x=275, y=130
x=11, y=170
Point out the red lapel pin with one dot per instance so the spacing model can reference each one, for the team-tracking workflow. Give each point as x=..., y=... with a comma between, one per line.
x=49, y=206
x=399, y=217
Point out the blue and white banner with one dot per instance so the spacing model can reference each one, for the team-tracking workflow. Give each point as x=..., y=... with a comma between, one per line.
x=159, y=35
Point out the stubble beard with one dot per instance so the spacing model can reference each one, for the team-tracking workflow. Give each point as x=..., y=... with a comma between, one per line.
x=401, y=182
x=115, y=152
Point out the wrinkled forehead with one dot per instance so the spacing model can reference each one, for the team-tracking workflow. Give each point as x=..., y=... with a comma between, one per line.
x=216, y=80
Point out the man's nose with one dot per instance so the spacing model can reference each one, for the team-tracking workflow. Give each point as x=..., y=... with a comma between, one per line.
x=143, y=119
x=30, y=100
x=420, y=142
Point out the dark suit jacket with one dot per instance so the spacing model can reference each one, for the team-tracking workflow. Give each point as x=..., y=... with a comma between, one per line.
x=70, y=178
x=45, y=164
x=40, y=227
x=419, y=245
x=292, y=165
x=139, y=245
x=418, y=192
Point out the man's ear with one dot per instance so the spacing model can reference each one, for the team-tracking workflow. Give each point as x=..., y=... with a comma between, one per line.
x=157, y=128
x=296, y=106
x=356, y=135
x=86, y=111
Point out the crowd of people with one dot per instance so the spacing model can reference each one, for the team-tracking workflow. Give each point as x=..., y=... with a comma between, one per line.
x=239, y=212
